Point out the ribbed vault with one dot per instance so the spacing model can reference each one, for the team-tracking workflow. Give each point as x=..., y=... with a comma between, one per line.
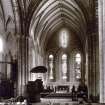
x=44, y=17
x=53, y=14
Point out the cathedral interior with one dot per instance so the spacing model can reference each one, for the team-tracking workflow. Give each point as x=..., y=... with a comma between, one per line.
x=66, y=37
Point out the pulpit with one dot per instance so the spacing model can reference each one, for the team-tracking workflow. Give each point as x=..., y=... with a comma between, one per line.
x=34, y=88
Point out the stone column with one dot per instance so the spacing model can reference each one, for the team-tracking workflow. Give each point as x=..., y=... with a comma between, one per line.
x=19, y=90
x=27, y=59
x=93, y=65
x=22, y=42
x=83, y=65
x=101, y=14
x=86, y=63
x=92, y=58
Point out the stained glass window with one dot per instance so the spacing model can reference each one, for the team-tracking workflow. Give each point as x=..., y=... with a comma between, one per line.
x=78, y=66
x=64, y=66
x=51, y=58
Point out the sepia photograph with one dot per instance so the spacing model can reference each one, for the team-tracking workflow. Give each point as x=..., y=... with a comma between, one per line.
x=52, y=52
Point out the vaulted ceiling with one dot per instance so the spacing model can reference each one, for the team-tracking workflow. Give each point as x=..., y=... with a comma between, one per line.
x=44, y=17
x=50, y=15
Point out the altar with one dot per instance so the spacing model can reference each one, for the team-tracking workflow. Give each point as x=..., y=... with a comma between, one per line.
x=62, y=89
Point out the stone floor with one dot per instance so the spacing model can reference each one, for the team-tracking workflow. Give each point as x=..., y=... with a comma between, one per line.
x=62, y=102
x=49, y=103
x=52, y=101
x=70, y=103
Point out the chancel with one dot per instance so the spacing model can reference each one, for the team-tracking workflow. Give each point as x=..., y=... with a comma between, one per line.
x=64, y=40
